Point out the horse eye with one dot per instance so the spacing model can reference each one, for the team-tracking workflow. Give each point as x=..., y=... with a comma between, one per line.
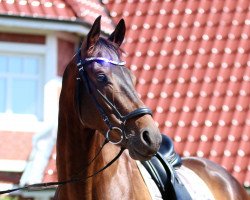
x=102, y=78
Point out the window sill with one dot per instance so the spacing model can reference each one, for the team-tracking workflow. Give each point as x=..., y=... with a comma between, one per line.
x=20, y=123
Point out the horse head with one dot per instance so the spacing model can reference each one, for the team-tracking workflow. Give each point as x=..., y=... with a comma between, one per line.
x=114, y=107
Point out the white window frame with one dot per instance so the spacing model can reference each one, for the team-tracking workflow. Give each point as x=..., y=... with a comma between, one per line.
x=39, y=80
x=50, y=84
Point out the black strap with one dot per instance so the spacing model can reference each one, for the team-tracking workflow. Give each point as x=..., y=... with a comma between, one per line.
x=166, y=178
x=137, y=112
x=48, y=185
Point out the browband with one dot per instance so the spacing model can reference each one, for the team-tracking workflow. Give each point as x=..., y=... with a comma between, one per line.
x=98, y=59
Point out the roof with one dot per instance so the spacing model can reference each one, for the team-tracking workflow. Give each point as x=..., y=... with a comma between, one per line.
x=15, y=148
x=191, y=58
x=85, y=11
x=192, y=61
x=21, y=145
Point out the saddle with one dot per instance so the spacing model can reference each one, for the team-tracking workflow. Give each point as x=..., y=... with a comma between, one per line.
x=162, y=167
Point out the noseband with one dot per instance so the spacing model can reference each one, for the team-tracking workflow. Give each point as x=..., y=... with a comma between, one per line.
x=82, y=64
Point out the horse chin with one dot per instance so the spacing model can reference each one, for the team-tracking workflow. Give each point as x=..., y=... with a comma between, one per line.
x=136, y=155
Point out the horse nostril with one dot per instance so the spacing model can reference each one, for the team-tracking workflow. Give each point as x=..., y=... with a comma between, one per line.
x=146, y=138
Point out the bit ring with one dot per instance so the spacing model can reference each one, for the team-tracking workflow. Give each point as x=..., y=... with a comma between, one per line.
x=117, y=130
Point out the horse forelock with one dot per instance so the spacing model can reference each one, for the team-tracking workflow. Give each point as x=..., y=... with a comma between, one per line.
x=105, y=46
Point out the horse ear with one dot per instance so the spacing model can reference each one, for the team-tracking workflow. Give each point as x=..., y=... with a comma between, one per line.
x=118, y=35
x=93, y=34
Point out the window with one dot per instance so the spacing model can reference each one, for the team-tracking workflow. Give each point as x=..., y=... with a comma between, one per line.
x=21, y=78
x=28, y=85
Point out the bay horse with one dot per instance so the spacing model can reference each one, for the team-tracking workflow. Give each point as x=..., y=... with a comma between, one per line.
x=99, y=105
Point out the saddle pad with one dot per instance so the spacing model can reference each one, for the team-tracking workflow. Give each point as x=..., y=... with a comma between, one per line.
x=152, y=187
x=196, y=187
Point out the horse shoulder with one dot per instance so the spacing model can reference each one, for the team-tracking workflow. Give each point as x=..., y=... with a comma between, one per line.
x=222, y=185
x=126, y=182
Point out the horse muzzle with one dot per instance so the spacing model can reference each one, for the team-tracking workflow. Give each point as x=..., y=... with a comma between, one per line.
x=145, y=144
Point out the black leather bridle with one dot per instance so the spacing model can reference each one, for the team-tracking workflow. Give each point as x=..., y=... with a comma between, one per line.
x=82, y=64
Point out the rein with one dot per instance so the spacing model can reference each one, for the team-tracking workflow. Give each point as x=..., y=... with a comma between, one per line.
x=48, y=185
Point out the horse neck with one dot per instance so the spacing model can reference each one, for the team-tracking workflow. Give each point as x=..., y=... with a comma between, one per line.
x=73, y=150
x=74, y=140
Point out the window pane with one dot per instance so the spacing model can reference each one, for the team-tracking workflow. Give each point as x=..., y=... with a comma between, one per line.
x=3, y=64
x=2, y=95
x=15, y=65
x=31, y=66
x=24, y=94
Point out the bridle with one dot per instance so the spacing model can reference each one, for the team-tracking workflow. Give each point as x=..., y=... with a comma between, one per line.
x=82, y=64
